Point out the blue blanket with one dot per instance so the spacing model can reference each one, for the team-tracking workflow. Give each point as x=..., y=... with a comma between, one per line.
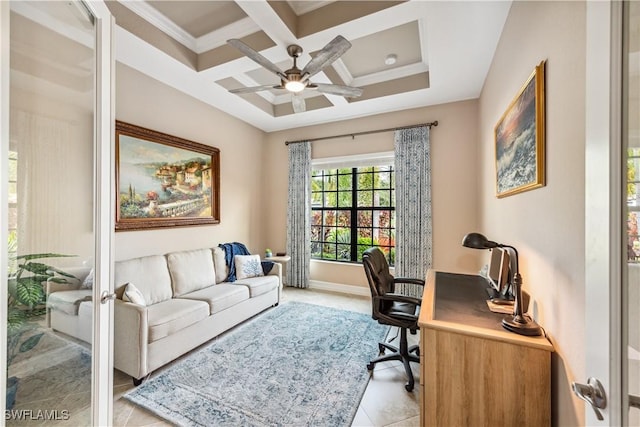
x=233, y=249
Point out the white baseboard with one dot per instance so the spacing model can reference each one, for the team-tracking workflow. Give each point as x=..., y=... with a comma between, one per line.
x=339, y=287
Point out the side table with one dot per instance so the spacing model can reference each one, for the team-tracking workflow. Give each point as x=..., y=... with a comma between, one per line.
x=283, y=260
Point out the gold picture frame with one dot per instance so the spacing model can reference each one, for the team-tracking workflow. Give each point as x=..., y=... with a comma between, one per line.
x=164, y=181
x=520, y=139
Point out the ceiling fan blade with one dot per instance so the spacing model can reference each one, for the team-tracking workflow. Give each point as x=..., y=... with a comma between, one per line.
x=348, y=91
x=257, y=57
x=254, y=89
x=332, y=51
x=299, y=106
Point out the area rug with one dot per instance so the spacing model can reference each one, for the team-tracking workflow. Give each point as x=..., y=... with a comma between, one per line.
x=294, y=365
x=51, y=372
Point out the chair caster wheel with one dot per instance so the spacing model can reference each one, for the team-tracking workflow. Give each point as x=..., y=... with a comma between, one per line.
x=408, y=387
x=381, y=348
x=370, y=366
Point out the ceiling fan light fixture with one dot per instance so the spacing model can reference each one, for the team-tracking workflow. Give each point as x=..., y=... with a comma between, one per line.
x=294, y=86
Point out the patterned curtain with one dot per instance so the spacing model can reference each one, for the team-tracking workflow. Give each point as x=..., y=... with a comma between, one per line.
x=299, y=215
x=413, y=206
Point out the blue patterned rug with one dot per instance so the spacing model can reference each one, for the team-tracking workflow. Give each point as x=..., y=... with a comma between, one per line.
x=296, y=364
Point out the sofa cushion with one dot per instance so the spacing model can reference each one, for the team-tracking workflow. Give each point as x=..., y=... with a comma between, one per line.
x=259, y=285
x=220, y=297
x=191, y=270
x=68, y=301
x=247, y=266
x=87, y=283
x=220, y=264
x=171, y=316
x=150, y=274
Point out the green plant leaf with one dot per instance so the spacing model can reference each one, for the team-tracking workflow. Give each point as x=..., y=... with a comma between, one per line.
x=55, y=279
x=15, y=319
x=62, y=273
x=37, y=268
x=44, y=255
x=30, y=342
x=29, y=291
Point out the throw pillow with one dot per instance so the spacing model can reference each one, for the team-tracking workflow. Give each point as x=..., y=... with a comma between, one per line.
x=133, y=295
x=248, y=266
x=87, y=283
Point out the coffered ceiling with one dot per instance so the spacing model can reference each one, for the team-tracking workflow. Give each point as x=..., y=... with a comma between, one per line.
x=441, y=52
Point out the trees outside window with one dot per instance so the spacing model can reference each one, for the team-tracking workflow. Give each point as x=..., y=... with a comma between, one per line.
x=352, y=209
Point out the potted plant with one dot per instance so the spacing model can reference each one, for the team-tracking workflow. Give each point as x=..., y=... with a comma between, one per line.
x=268, y=253
x=26, y=299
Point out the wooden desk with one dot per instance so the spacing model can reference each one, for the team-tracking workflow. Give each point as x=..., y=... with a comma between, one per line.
x=472, y=371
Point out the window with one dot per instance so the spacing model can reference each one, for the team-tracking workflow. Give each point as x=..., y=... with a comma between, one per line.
x=352, y=209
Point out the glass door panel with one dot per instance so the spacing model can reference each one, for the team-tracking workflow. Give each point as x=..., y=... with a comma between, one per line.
x=631, y=293
x=52, y=242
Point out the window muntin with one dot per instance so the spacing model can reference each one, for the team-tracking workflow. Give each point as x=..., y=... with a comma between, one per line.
x=353, y=209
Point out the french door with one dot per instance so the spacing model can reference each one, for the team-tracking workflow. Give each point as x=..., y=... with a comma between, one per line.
x=56, y=127
x=612, y=211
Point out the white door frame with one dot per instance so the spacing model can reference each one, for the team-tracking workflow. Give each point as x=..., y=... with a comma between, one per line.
x=603, y=207
x=4, y=187
x=102, y=357
x=104, y=206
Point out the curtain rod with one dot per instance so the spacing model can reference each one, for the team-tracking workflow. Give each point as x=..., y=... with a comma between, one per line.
x=353, y=135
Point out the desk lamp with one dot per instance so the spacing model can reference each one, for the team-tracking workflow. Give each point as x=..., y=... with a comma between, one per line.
x=520, y=323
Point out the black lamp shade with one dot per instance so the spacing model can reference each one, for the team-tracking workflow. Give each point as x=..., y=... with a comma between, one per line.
x=478, y=241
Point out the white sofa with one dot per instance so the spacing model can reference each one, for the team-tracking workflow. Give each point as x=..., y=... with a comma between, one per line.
x=69, y=305
x=187, y=303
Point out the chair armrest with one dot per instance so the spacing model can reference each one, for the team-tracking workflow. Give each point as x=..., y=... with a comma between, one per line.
x=418, y=282
x=131, y=336
x=398, y=298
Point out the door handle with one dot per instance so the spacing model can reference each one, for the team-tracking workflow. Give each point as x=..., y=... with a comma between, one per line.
x=593, y=393
x=634, y=401
x=105, y=297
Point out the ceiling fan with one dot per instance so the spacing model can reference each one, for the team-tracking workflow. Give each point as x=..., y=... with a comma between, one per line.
x=295, y=80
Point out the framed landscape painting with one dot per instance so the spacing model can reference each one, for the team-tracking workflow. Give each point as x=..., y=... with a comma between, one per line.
x=164, y=181
x=520, y=139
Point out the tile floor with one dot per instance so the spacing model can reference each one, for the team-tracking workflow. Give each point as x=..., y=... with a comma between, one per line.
x=384, y=403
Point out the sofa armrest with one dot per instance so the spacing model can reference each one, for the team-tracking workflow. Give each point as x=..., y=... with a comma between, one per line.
x=276, y=270
x=72, y=284
x=52, y=287
x=130, y=338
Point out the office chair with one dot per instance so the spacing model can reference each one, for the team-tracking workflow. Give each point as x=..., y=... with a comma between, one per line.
x=390, y=308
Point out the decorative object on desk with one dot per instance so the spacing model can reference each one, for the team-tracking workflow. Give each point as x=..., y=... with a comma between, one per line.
x=268, y=253
x=520, y=323
x=164, y=181
x=281, y=254
x=520, y=139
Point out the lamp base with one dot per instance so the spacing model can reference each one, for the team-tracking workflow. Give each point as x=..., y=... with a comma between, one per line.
x=522, y=325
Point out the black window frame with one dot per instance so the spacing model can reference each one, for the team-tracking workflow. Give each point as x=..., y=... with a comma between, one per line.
x=321, y=235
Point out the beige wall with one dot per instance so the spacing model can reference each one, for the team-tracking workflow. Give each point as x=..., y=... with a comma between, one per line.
x=454, y=183
x=546, y=225
x=145, y=102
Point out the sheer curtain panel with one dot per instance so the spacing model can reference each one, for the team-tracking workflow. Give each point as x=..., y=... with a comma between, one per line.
x=299, y=215
x=413, y=206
